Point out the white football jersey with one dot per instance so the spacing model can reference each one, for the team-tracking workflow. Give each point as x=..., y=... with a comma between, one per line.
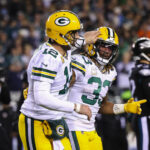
x=90, y=87
x=48, y=65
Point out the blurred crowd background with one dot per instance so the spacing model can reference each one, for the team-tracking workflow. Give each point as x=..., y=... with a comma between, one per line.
x=22, y=30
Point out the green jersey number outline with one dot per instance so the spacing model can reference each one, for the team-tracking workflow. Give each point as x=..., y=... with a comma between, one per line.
x=51, y=52
x=96, y=92
x=66, y=86
x=87, y=61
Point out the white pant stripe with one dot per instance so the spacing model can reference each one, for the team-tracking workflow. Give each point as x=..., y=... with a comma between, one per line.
x=29, y=133
x=145, y=133
x=72, y=141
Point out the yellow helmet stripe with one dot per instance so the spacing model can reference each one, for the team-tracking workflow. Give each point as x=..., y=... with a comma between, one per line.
x=111, y=33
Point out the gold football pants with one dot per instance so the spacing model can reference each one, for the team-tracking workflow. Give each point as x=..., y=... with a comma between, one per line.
x=33, y=138
x=83, y=140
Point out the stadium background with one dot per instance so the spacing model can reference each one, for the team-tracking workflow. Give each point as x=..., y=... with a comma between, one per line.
x=22, y=26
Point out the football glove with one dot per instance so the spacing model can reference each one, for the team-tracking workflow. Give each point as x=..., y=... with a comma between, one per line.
x=134, y=107
x=25, y=93
x=46, y=128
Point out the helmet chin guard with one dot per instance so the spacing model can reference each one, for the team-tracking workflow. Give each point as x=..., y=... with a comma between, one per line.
x=101, y=60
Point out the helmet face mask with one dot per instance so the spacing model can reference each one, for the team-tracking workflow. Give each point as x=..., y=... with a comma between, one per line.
x=72, y=37
x=105, y=50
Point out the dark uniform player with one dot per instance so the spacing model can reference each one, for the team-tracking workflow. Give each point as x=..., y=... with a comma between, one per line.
x=140, y=85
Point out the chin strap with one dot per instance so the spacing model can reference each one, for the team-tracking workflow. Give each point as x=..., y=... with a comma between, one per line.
x=101, y=60
x=67, y=41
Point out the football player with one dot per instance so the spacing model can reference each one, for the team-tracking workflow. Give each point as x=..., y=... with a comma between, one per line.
x=93, y=75
x=49, y=74
x=140, y=86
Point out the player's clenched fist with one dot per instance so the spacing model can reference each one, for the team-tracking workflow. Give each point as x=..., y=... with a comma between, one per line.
x=91, y=37
x=83, y=109
x=25, y=93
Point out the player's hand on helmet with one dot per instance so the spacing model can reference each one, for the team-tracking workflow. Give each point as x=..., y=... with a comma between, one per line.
x=83, y=109
x=134, y=107
x=91, y=37
x=25, y=93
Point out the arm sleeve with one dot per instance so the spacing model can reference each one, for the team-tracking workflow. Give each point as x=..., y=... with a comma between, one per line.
x=45, y=68
x=44, y=98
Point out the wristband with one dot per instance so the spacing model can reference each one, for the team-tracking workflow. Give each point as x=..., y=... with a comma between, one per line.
x=118, y=109
x=77, y=108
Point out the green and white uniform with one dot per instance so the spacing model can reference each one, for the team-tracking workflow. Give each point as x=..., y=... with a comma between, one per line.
x=90, y=87
x=49, y=66
x=49, y=75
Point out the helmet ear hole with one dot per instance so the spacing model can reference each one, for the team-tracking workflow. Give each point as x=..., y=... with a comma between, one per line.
x=61, y=35
x=48, y=30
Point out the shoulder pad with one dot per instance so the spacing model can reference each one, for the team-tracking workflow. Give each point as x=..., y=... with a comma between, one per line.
x=78, y=64
x=108, y=68
x=110, y=71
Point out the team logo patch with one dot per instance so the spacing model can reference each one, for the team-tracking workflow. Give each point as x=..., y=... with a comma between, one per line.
x=62, y=21
x=93, y=71
x=60, y=130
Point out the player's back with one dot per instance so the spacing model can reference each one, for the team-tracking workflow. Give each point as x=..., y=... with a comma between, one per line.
x=90, y=87
x=47, y=65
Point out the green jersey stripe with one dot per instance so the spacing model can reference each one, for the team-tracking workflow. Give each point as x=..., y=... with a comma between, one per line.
x=83, y=72
x=42, y=75
x=81, y=65
x=45, y=70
